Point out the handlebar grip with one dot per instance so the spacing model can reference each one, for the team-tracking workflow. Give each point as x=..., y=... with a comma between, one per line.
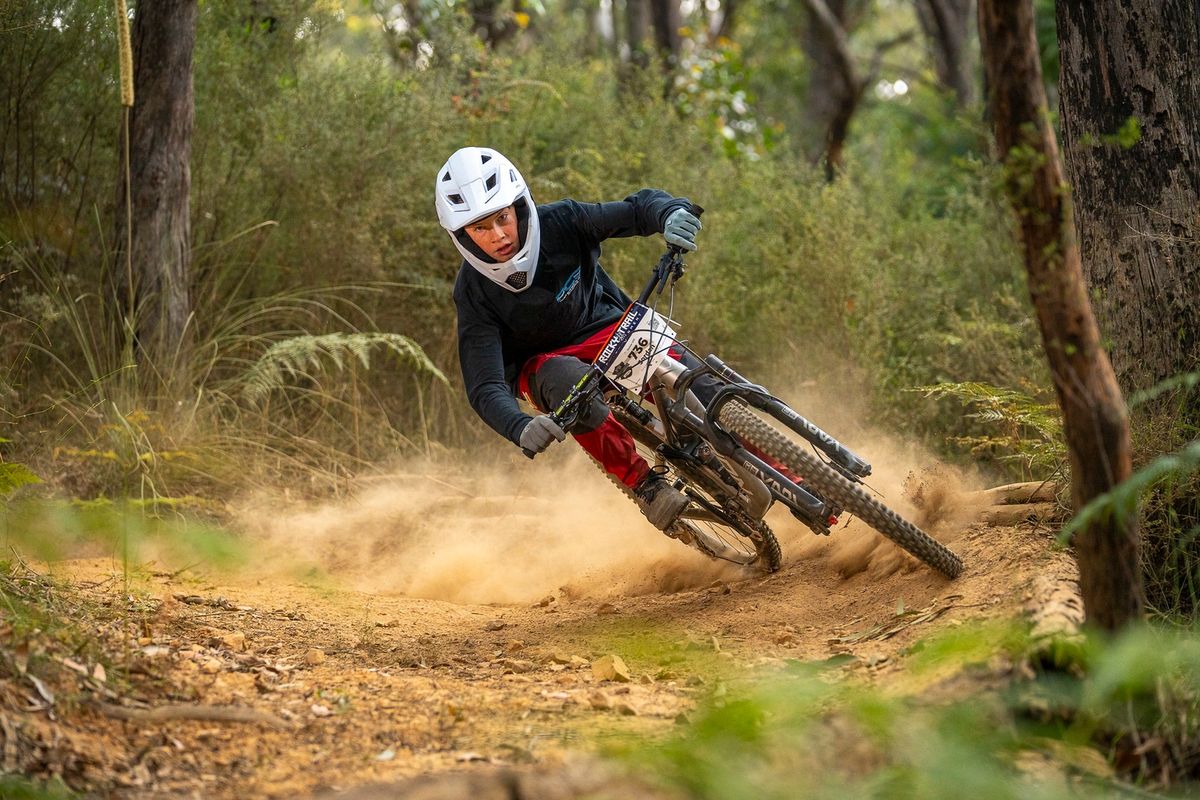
x=695, y=210
x=528, y=453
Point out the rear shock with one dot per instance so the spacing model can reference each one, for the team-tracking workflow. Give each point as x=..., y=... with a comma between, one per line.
x=623, y=402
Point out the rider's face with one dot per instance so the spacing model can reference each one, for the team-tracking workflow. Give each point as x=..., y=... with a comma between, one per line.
x=496, y=235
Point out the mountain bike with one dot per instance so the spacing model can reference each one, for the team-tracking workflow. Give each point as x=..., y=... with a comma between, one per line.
x=730, y=445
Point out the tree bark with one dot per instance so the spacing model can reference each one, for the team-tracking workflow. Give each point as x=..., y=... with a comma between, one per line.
x=637, y=30
x=1137, y=205
x=493, y=23
x=947, y=28
x=835, y=87
x=665, y=17
x=160, y=144
x=723, y=21
x=1094, y=418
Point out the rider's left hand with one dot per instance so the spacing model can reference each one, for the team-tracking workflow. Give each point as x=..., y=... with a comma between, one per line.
x=681, y=229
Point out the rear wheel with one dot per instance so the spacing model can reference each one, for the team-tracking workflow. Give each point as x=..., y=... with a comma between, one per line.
x=711, y=523
x=837, y=488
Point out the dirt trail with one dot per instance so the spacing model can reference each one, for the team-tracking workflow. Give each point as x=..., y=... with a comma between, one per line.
x=431, y=624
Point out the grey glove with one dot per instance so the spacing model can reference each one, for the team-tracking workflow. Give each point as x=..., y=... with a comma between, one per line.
x=681, y=228
x=540, y=433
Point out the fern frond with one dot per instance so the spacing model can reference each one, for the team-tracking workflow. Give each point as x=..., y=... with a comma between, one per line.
x=305, y=356
x=1031, y=431
x=13, y=476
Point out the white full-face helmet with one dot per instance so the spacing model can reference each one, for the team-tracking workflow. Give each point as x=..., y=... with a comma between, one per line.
x=474, y=183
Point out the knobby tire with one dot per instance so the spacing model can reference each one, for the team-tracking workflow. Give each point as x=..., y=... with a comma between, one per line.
x=837, y=488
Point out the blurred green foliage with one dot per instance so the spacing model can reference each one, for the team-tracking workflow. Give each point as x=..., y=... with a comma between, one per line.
x=14, y=787
x=1002, y=719
x=134, y=531
x=316, y=141
x=1017, y=427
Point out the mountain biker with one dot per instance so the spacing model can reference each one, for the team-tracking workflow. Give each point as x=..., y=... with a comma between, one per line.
x=535, y=307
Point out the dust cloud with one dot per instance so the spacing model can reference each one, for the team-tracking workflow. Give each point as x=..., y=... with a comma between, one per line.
x=518, y=531
x=512, y=532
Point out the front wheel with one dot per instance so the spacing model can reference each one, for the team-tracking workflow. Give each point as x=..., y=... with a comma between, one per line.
x=837, y=488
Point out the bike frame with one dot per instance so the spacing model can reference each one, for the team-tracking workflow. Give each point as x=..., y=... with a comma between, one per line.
x=687, y=428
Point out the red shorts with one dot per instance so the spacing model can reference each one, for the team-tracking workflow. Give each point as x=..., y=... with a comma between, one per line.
x=610, y=443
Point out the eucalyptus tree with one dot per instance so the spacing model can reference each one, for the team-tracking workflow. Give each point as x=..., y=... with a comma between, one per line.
x=948, y=26
x=1095, y=423
x=153, y=219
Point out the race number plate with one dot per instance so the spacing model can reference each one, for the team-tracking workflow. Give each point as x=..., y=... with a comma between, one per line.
x=636, y=348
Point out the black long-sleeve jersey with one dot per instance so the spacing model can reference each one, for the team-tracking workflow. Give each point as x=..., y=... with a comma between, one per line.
x=570, y=299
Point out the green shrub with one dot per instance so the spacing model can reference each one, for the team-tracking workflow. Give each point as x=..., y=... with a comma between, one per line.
x=1104, y=713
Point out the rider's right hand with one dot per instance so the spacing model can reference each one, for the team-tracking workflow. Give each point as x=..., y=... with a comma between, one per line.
x=540, y=433
x=680, y=229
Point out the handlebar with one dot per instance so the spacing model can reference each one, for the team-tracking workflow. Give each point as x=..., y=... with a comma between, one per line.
x=670, y=264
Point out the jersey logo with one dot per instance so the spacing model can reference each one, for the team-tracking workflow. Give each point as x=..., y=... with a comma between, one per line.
x=569, y=286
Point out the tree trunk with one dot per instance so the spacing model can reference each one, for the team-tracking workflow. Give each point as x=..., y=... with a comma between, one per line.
x=1137, y=204
x=637, y=30
x=722, y=23
x=835, y=85
x=947, y=28
x=665, y=16
x=1094, y=419
x=493, y=22
x=160, y=144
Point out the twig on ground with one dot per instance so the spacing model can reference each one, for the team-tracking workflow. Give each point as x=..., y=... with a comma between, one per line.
x=192, y=712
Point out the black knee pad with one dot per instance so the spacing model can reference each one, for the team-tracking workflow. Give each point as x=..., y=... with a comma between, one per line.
x=551, y=384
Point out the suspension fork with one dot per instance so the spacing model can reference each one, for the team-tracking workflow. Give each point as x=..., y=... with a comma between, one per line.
x=679, y=413
x=786, y=490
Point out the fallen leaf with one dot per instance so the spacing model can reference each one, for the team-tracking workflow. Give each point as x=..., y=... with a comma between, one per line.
x=75, y=665
x=235, y=641
x=46, y=694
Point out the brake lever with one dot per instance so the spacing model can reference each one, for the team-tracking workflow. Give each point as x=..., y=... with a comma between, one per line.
x=670, y=268
x=568, y=411
x=561, y=421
